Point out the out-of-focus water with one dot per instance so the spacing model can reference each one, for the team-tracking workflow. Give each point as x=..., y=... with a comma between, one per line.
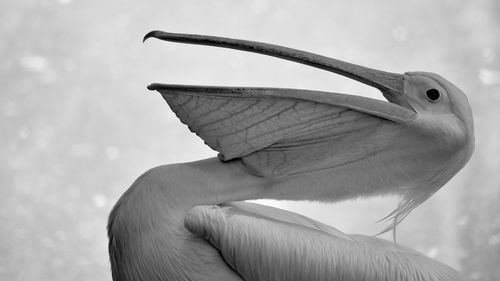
x=78, y=125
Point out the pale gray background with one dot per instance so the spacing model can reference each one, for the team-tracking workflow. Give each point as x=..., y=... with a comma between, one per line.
x=78, y=125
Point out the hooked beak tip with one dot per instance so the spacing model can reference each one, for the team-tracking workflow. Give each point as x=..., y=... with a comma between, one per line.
x=150, y=34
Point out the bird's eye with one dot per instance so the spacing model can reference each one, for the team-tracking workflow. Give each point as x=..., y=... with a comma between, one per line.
x=433, y=95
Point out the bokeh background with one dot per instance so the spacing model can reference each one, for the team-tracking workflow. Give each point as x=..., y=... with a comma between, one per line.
x=77, y=124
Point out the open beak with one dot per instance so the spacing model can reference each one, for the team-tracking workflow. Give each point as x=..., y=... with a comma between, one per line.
x=390, y=84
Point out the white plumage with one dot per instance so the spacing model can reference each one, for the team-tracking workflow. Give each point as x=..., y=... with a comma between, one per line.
x=265, y=243
x=295, y=145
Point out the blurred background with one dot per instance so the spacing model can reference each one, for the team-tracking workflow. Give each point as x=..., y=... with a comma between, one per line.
x=77, y=124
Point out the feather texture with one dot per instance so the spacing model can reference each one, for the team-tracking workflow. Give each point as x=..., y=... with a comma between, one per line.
x=264, y=243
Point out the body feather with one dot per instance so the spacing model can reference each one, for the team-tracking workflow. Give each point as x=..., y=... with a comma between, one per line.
x=264, y=243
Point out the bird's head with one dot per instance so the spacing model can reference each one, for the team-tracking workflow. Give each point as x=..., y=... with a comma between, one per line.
x=444, y=118
x=441, y=106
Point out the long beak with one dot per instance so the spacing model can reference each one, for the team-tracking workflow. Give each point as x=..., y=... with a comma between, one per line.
x=390, y=84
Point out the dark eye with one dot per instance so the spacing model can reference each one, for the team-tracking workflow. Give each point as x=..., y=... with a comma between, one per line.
x=433, y=94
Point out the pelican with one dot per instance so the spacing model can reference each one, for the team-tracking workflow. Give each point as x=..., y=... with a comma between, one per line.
x=184, y=221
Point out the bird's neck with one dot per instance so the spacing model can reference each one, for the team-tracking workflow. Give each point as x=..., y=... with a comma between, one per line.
x=146, y=226
x=171, y=190
x=211, y=182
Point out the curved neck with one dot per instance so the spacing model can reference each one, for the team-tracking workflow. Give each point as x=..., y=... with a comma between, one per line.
x=146, y=227
x=147, y=238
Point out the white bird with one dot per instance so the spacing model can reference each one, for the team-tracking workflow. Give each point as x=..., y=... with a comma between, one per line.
x=295, y=145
